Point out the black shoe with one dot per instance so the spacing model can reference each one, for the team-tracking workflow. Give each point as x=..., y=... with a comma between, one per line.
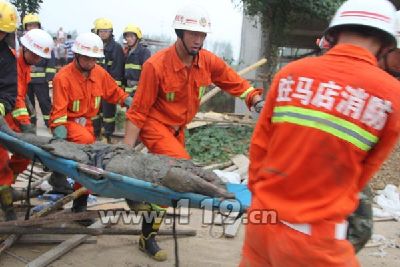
x=60, y=184
x=80, y=205
x=149, y=245
x=10, y=214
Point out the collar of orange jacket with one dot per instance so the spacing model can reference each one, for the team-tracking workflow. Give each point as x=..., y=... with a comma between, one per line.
x=177, y=62
x=353, y=51
x=77, y=73
x=21, y=61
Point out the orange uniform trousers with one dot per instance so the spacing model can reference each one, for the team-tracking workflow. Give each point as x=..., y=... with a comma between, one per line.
x=164, y=140
x=80, y=134
x=279, y=245
x=11, y=167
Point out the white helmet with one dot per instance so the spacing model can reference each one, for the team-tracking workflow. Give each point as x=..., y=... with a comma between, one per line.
x=88, y=44
x=38, y=42
x=378, y=14
x=192, y=18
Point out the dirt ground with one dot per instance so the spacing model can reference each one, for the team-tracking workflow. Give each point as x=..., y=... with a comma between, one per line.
x=200, y=250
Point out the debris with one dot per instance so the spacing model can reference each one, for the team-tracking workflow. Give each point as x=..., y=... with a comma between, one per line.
x=63, y=248
x=389, y=172
x=232, y=229
x=14, y=237
x=228, y=177
x=382, y=243
x=389, y=202
x=242, y=162
x=218, y=166
x=22, y=259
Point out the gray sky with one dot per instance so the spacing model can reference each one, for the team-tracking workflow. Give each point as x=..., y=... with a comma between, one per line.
x=153, y=16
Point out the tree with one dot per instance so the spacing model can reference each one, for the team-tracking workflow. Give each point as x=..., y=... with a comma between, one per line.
x=27, y=6
x=278, y=17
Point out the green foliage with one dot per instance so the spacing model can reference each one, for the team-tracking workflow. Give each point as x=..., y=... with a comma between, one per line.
x=27, y=6
x=213, y=144
x=279, y=16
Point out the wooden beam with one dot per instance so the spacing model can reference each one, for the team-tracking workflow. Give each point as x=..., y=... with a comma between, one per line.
x=232, y=229
x=7, y=243
x=85, y=231
x=56, y=218
x=63, y=248
x=50, y=239
x=216, y=90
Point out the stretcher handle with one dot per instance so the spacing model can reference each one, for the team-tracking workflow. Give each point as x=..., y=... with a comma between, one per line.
x=96, y=173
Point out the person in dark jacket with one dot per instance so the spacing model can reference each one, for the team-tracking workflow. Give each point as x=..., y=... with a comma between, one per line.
x=41, y=74
x=136, y=55
x=8, y=95
x=113, y=63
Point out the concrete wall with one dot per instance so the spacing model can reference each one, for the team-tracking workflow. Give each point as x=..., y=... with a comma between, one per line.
x=251, y=51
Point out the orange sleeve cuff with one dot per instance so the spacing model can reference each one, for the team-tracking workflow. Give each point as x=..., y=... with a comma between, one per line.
x=137, y=118
x=249, y=98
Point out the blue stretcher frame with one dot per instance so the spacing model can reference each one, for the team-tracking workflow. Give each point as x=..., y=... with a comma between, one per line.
x=109, y=184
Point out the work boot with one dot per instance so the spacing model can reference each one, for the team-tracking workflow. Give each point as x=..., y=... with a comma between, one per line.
x=60, y=184
x=147, y=241
x=80, y=205
x=6, y=202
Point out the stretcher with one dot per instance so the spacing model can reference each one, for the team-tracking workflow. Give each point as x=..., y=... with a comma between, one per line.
x=109, y=184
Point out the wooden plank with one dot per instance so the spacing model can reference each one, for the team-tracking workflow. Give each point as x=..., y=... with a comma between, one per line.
x=231, y=168
x=50, y=239
x=84, y=231
x=104, y=201
x=51, y=219
x=7, y=243
x=196, y=124
x=216, y=90
x=232, y=229
x=242, y=162
x=22, y=259
x=218, y=166
x=383, y=219
x=63, y=248
x=373, y=245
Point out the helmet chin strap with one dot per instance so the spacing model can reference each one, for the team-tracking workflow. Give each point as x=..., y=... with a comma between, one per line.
x=80, y=66
x=191, y=53
x=24, y=49
x=134, y=45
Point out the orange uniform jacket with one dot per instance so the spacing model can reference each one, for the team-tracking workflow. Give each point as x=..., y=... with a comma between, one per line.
x=20, y=112
x=76, y=97
x=170, y=93
x=328, y=124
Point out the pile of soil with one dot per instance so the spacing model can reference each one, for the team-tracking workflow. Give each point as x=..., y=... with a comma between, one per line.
x=389, y=172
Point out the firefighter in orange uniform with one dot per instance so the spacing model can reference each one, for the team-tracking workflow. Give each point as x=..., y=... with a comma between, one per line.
x=79, y=88
x=171, y=86
x=328, y=125
x=35, y=45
